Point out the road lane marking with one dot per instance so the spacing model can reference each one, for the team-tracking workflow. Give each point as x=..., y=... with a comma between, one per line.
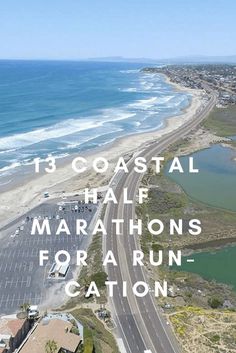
x=121, y=345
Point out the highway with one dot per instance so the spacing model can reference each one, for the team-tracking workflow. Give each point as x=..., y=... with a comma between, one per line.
x=139, y=321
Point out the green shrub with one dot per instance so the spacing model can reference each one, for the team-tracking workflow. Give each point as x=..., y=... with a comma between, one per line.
x=215, y=302
x=99, y=278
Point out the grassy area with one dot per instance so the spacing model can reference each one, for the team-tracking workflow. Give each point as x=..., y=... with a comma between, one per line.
x=222, y=121
x=161, y=202
x=93, y=272
x=96, y=338
x=201, y=330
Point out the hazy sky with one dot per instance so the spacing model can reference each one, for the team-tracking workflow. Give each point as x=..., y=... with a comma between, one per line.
x=73, y=29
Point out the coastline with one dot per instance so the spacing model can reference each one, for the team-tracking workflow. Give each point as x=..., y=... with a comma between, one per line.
x=176, y=85
x=28, y=192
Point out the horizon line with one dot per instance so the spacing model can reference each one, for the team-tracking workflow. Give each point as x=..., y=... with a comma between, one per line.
x=200, y=57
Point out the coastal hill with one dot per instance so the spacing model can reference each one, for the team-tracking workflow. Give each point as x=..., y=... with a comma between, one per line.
x=182, y=59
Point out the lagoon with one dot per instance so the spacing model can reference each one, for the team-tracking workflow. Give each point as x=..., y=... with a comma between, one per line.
x=215, y=184
x=218, y=265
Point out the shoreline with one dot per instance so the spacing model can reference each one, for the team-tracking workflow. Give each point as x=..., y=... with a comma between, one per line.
x=210, y=245
x=28, y=190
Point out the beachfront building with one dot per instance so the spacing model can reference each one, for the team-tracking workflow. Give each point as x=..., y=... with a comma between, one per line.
x=63, y=332
x=12, y=333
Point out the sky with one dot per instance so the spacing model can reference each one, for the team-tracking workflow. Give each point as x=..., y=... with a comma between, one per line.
x=80, y=29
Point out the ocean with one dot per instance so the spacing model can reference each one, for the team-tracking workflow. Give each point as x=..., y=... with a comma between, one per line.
x=61, y=108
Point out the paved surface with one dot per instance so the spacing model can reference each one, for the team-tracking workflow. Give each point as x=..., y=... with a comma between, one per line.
x=21, y=278
x=140, y=324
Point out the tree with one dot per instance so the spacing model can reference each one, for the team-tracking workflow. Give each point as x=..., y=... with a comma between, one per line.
x=24, y=307
x=51, y=346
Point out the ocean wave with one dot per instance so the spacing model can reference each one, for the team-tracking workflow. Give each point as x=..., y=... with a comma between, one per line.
x=131, y=89
x=150, y=76
x=176, y=102
x=27, y=162
x=69, y=127
x=7, y=151
x=129, y=71
x=117, y=114
x=74, y=145
x=64, y=128
x=11, y=166
x=146, y=85
x=144, y=104
x=165, y=99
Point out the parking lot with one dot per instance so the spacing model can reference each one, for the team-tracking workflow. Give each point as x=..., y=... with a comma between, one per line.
x=21, y=278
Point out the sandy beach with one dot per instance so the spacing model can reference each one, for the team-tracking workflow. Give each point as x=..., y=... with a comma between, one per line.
x=29, y=193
